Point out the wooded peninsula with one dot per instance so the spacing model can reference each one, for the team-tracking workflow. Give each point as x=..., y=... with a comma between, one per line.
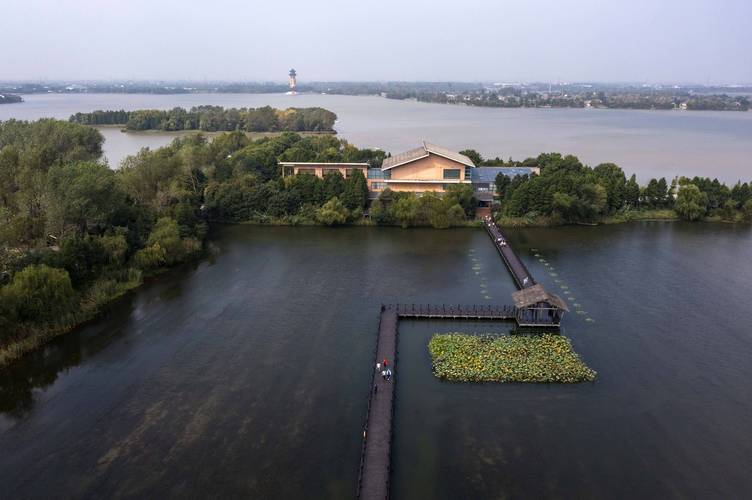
x=75, y=234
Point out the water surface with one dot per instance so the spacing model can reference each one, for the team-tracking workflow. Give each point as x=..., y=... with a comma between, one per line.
x=246, y=375
x=648, y=143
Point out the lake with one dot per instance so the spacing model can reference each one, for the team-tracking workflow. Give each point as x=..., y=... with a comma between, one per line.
x=648, y=143
x=246, y=374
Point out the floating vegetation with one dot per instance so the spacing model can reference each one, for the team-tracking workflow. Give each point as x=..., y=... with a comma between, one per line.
x=553, y=274
x=564, y=287
x=590, y=320
x=507, y=358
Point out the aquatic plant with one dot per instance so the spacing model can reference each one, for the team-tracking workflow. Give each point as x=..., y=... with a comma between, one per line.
x=507, y=358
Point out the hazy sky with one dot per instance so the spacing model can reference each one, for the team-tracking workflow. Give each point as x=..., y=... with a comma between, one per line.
x=701, y=41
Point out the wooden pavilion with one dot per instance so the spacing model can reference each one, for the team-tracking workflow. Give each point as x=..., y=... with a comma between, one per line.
x=537, y=307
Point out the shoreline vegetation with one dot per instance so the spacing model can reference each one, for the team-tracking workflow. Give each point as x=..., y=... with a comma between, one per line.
x=546, y=358
x=75, y=234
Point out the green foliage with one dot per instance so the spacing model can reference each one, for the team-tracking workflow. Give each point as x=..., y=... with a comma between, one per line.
x=214, y=119
x=747, y=210
x=474, y=156
x=166, y=236
x=79, y=196
x=150, y=257
x=332, y=213
x=508, y=358
x=355, y=193
x=691, y=203
x=39, y=293
x=502, y=183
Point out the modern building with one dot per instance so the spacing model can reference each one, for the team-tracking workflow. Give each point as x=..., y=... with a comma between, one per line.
x=428, y=168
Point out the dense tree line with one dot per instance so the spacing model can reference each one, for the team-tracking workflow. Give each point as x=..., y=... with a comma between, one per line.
x=215, y=119
x=566, y=191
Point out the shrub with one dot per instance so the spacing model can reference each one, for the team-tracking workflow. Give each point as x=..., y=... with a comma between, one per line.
x=332, y=213
x=39, y=293
x=150, y=257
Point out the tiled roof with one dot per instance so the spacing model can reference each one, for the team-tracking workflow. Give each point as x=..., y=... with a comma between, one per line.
x=405, y=157
x=448, y=153
x=422, y=152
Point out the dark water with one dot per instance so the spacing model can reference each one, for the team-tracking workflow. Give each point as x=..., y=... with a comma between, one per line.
x=246, y=375
x=648, y=143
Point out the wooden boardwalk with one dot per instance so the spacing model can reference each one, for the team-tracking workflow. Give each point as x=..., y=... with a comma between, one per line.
x=375, y=460
x=520, y=274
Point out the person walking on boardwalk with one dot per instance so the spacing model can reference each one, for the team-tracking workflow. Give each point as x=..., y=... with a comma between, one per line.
x=384, y=364
x=388, y=374
x=383, y=374
x=378, y=367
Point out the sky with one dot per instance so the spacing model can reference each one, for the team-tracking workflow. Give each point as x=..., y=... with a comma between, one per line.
x=651, y=41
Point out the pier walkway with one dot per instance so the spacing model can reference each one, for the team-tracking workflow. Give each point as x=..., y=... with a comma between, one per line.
x=520, y=274
x=375, y=459
x=534, y=307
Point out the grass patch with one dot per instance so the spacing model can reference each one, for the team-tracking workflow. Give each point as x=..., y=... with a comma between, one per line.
x=507, y=358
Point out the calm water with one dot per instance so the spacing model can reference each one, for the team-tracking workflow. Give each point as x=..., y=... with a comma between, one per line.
x=246, y=375
x=649, y=143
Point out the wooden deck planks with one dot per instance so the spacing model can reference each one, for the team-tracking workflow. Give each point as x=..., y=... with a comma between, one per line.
x=373, y=482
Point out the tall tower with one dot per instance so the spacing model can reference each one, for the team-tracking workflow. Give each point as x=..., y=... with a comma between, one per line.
x=293, y=81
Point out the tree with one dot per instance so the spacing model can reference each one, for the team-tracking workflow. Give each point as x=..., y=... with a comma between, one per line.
x=747, y=210
x=475, y=156
x=334, y=185
x=502, y=183
x=355, y=194
x=729, y=210
x=691, y=203
x=332, y=213
x=461, y=194
x=80, y=195
x=632, y=192
x=39, y=293
x=406, y=209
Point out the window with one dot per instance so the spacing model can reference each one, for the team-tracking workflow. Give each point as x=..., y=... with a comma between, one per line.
x=375, y=173
x=452, y=173
x=378, y=186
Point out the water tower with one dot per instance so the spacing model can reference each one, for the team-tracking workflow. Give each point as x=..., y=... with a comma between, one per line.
x=293, y=81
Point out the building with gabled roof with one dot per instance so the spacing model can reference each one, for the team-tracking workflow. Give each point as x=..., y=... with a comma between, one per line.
x=428, y=168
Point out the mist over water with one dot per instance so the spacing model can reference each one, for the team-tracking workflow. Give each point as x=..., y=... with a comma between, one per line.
x=648, y=143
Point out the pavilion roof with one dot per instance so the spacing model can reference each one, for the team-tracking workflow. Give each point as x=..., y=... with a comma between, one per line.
x=534, y=294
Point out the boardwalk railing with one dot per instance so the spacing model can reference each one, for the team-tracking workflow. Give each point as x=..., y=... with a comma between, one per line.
x=458, y=311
